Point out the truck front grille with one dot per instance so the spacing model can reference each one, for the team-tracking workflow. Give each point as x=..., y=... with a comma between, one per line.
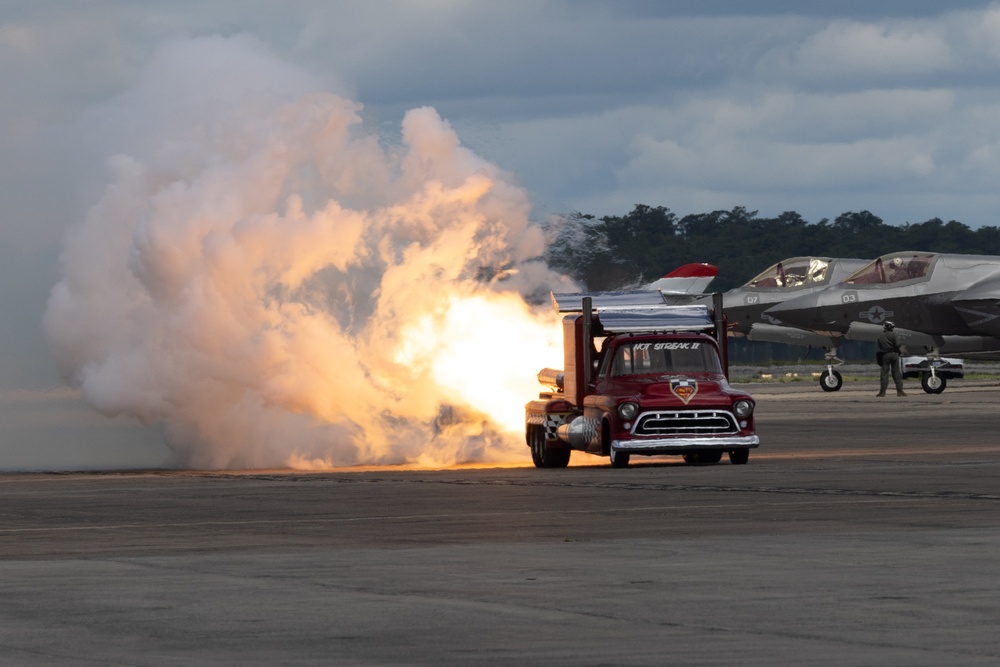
x=686, y=422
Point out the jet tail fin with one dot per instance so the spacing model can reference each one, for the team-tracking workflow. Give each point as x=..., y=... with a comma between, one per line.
x=688, y=279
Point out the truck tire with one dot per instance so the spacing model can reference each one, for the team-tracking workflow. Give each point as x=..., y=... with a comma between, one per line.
x=703, y=457
x=739, y=456
x=536, y=445
x=619, y=459
x=711, y=456
x=557, y=458
x=545, y=457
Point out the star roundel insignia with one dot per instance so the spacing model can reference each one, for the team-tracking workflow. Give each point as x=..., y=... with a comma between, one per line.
x=875, y=314
x=684, y=389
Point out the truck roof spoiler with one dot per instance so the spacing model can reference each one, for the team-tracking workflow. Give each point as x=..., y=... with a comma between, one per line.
x=692, y=318
x=603, y=301
x=644, y=311
x=570, y=302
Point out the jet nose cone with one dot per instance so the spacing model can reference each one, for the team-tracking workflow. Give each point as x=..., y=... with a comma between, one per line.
x=799, y=312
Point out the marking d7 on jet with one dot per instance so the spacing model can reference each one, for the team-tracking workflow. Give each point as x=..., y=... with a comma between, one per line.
x=747, y=306
x=658, y=385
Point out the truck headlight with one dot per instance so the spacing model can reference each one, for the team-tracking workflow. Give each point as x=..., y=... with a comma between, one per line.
x=627, y=411
x=743, y=408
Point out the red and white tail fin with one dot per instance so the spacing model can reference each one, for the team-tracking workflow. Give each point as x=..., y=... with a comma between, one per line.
x=688, y=279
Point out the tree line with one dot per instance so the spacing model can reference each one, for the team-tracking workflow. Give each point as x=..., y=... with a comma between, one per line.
x=616, y=252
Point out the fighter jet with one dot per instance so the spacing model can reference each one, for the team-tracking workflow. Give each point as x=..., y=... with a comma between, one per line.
x=940, y=303
x=746, y=306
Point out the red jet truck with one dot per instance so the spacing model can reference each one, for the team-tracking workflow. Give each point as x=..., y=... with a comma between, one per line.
x=657, y=386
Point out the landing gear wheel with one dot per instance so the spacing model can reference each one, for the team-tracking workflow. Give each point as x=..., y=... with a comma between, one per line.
x=831, y=380
x=619, y=459
x=739, y=456
x=545, y=457
x=933, y=384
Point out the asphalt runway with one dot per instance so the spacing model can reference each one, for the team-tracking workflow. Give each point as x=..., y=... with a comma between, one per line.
x=864, y=531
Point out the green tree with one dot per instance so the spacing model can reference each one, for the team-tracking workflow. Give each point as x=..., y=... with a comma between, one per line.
x=615, y=252
x=642, y=241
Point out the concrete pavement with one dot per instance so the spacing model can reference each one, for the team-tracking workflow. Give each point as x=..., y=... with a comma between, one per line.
x=863, y=531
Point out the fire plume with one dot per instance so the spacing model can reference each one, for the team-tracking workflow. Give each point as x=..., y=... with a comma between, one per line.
x=277, y=286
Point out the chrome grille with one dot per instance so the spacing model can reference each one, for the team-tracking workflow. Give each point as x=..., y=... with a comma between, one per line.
x=686, y=422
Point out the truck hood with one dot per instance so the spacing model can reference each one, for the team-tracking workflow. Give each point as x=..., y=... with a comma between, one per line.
x=669, y=390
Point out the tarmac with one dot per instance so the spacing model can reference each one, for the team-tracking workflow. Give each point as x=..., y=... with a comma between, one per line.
x=864, y=531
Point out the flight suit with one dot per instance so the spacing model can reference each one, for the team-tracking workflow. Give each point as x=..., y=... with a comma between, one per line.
x=888, y=345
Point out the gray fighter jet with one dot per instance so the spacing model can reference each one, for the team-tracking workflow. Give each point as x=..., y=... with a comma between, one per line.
x=940, y=303
x=747, y=306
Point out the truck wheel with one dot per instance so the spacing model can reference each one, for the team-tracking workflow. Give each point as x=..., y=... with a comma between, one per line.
x=711, y=456
x=831, y=381
x=703, y=457
x=933, y=384
x=557, y=458
x=739, y=456
x=544, y=457
x=536, y=439
x=619, y=459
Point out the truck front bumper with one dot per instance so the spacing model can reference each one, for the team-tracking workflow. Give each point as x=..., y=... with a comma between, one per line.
x=680, y=445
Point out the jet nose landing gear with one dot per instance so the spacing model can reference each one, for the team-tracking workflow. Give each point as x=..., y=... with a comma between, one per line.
x=830, y=379
x=933, y=383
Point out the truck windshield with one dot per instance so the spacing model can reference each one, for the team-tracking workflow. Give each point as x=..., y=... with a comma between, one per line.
x=674, y=356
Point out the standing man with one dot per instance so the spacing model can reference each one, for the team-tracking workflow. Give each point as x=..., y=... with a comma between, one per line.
x=889, y=348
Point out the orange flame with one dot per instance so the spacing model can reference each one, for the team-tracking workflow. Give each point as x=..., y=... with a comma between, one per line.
x=485, y=353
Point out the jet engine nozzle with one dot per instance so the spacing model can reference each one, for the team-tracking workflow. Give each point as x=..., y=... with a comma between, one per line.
x=575, y=433
x=550, y=377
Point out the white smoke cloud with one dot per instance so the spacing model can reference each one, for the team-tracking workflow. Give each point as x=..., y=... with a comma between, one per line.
x=273, y=284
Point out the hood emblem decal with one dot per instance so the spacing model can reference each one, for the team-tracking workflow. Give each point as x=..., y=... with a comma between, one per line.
x=684, y=389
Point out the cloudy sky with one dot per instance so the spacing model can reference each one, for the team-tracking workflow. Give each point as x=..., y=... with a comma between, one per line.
x=588, y=105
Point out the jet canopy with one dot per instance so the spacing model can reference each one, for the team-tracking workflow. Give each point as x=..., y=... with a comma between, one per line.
x=794, y=272
x=893, y=268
